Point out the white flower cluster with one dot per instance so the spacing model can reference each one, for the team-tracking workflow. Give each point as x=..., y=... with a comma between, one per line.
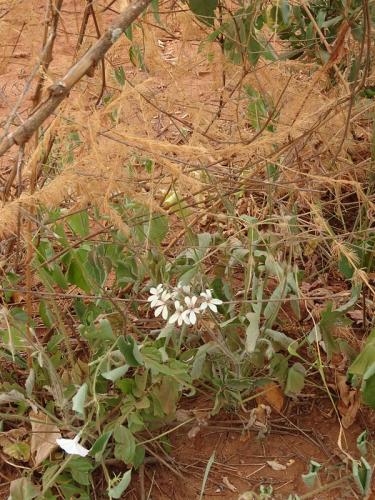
x=184, y=305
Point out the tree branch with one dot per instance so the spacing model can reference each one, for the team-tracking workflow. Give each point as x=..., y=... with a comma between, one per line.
x=60, y=89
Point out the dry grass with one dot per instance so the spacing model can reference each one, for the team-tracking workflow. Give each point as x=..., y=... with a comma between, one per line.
x=169, y=113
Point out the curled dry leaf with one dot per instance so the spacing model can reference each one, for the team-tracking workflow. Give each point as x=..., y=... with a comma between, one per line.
x=183, y=415
x=14, y=445
x=194, y=431
x=43, y=437
x=275, y=465
x=259, y=416
x=229, y=485
x=349, y=402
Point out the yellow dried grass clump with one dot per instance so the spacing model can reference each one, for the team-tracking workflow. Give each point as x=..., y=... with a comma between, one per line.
x=169, y=114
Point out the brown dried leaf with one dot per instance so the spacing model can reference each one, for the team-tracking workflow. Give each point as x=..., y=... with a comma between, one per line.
x=43, y=437
x=356, y=315
x=194, y=431
x=13, y=444
x=272, y=396
x=183, y=415
x=275, y=465
x=349, y=402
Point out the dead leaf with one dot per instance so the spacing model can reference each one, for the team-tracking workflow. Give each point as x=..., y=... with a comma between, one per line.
x=194, y=431
x=12, y=396
x=259, y=417
x=229, y=485
x=43, y=437
x=183, y=415
x=247, y=495
x=202, y=417
x=271, y=395
x=356, y=315
x=349, y=403
x=14, y=445
x=276, y=465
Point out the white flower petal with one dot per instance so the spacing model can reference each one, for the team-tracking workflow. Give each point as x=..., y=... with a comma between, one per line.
x=212, y=307
x=72, y=447
x=203, y=306
x=174, y=318
x=165, y=312
x=192, y=317
x=218, y=302
x=158, y=311
x=185, y=317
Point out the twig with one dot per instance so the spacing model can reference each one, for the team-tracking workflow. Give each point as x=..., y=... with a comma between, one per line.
x=326, y=44
x=52, y=21
x=59, y=91
x=164, y=462
x=142, y=493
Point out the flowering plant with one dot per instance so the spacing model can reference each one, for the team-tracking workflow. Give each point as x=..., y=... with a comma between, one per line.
x=185, y=306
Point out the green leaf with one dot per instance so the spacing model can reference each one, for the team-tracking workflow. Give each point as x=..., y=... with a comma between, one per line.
x=200, y=358
x=80, y=469
x=136, y=57
x=252, y=332
x=79, y=223
x=46, y=314
x=120, y=75
x=156, y=230
x=125, y=385
x=362, y=442
x=126, y=444
x=100, y=445
x=279, y=337
x=204, y=10
x=121, y=434
x=206, y=473
x=139, y=456
x=77, y=274
x=116, y=373
x=254, y=50
x=79, y=400
x=155, y=10
x=284, y=9
x=58, y=277
x=362, y=473
x=355, y=294
x=279, y=367
x=368, y=392
x=273, y=306
x=130, y=351
x=167, y=393
x=295, y=380
x=365, y=359
x=23, y=489
x=118, y=490
x=129, y=33
x=186, y=277
x=309, y=479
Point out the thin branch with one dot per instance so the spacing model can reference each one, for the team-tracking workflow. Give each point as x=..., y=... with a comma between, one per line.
x=49, y=40
x=61, y=88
